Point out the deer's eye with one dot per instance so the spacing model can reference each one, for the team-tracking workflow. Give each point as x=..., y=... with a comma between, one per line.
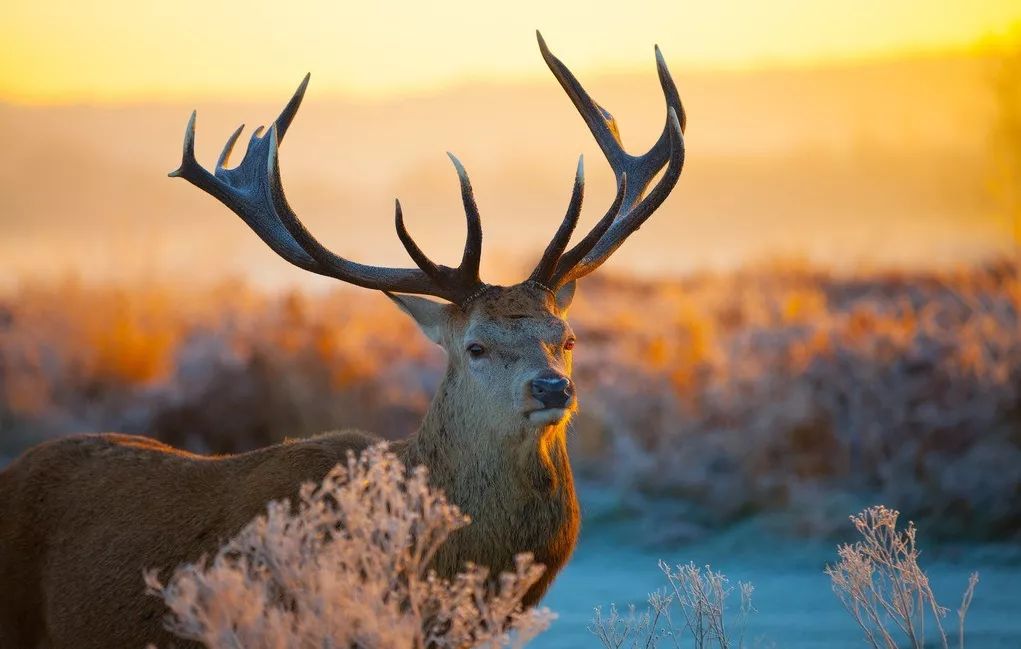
x=476, y=350
x=569, y=343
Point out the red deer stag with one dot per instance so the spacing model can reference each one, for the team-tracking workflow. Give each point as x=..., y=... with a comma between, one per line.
x=81, y=517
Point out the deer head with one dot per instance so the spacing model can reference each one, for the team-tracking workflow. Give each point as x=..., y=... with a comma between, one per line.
x=509, y=347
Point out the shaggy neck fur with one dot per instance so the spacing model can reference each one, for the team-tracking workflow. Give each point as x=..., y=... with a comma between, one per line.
x=514, y=482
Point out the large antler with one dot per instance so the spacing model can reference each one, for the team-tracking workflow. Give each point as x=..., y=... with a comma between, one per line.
x=634, y=173
x=253, y=190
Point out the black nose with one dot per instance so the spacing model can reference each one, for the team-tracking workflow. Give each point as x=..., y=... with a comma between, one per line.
x=552, y=391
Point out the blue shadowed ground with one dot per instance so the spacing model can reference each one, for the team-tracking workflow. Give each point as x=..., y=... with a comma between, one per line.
x=795, y=607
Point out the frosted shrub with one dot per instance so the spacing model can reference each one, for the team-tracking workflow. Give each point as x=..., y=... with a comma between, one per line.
x=349, y=567
x=751, y=392
x=698, y=598
x=880, y=583
x=772, y=389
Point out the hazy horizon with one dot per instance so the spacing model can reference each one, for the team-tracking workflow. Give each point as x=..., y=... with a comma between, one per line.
x=846, y=165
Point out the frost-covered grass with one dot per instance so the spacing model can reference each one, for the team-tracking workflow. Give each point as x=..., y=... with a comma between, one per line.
x=877, y=579
x=705, y=400
x=349, y=566
x=693, y=609
x=881, y=585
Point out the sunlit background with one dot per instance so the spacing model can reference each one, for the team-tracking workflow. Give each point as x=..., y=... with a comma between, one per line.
x=67, y=52
x=823, y=315
x=861, y=134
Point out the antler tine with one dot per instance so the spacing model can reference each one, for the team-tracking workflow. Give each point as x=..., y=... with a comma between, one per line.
x=621, y=228
x=472, y=257
x=600, y=122
x=544, y=270
x=240, y=188
x=221, y=162
x=190, y=169
x=253, y=190
x=283, y=121
x=670, y=93
x=416, y=254
x=638, y=170
x=571, y=258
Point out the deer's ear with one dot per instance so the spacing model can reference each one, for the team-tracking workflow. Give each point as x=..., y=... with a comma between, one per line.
x=565, y=295
x=430, y=316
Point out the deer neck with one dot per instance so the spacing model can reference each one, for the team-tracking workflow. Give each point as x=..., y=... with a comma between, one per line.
x=514, y=482
x=474, y=457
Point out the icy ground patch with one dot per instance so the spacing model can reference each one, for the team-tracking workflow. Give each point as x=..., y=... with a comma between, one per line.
x=795, y=607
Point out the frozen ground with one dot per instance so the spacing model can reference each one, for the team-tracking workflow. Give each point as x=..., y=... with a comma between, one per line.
x=795, y=607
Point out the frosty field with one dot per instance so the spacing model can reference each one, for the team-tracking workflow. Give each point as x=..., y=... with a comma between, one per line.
x=795, y=607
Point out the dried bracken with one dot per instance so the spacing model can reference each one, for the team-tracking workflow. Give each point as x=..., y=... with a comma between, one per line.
x=348, y=566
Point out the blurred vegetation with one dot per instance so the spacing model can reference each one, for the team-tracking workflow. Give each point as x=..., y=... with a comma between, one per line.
x=778, y=388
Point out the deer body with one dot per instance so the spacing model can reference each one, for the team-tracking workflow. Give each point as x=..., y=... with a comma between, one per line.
x=93, y=511
x=88, y=512
x=82, y=517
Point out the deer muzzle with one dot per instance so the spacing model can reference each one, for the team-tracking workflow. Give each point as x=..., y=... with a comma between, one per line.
x=552, y=390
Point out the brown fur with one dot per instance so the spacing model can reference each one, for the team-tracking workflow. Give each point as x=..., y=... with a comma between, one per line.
x=82, y=517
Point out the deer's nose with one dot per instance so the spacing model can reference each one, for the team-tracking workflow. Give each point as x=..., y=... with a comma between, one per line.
x=552, y=390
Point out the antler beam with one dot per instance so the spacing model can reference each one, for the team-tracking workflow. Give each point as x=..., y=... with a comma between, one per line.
x=254, y=191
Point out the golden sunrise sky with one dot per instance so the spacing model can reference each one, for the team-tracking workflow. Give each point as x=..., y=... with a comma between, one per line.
x=136, y=50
